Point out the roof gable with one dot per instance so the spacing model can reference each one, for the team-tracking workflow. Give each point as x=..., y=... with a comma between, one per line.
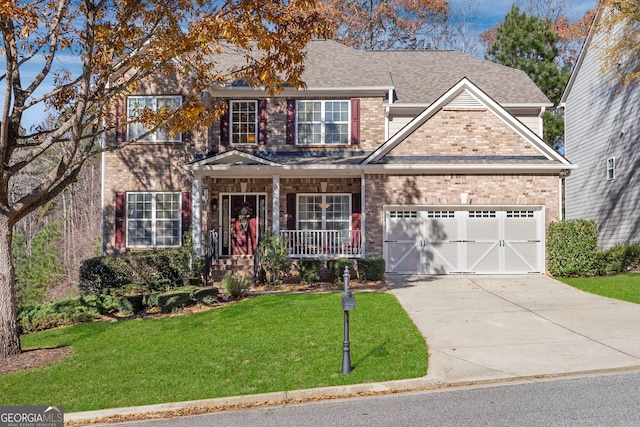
x=466, y=95
x=233, y=157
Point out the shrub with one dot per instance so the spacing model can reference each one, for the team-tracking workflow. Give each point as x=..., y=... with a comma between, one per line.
x=132, y=289
x=274, y=258
x=151, y=300
x=236, y=285
x=206, y=296
x=336, y=269
x=65, y=312
x=618, y=259
x=309, y=270
x=131, y=304
x=109, y=272
x=371, y=268
x=160, y=285
x=174, y=300
x=572, y=248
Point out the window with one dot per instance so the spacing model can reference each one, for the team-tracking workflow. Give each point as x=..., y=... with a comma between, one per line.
x=153, y=219
x=322, y=122
x=324, y=212
x=135, y=106
x=244, y=122
x=611, y=168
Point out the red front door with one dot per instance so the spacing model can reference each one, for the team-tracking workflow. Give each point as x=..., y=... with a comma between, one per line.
x=243, y=213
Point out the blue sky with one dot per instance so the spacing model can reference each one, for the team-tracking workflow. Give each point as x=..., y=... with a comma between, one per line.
x=492, y=12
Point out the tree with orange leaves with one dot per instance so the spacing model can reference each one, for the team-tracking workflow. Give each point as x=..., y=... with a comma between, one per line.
x=118, y=43
x=385, y=24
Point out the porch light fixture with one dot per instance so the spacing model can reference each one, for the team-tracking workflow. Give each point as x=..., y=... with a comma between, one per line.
x=214, y=204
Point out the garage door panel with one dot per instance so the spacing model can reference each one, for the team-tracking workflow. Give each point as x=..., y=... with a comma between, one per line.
x=404, y=225
x=482, y=225
x=403, y=257
x=483, y=257
x=521, y=257
x=441, y=258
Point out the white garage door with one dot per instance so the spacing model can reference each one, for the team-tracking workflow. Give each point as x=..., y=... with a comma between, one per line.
x=440, y=241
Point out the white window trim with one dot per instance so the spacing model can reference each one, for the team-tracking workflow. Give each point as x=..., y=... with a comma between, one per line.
x=251, y=144
x=324, y=209
x=611, y=170
x=153, y=220
x=153, y=136
x=322, y=121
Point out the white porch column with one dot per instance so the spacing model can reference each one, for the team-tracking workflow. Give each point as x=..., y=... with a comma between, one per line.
x=276, y=204
x=362, y=215
x=196, y=214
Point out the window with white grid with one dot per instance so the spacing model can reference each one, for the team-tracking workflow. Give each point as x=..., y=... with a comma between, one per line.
x=153, y=219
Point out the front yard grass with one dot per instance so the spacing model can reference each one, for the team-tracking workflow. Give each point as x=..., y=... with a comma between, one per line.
x=621, y=286
x=263, y=344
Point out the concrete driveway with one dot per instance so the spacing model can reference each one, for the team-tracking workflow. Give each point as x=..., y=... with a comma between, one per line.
x=483, y=328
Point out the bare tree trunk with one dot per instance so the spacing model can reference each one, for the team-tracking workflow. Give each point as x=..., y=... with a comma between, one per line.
x=9, y=336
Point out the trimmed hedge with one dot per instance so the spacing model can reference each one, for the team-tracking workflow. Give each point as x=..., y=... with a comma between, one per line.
x=131, y=304
x=157, y=269
x=65, y=312
x=572, y=248
x=206, y=296
x=174, y=300
x=371, y=269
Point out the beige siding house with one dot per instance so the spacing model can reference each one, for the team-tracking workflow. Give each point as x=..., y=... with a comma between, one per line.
x=431, y=160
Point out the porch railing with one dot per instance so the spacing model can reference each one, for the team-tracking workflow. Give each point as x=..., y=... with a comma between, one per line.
x=323, y=243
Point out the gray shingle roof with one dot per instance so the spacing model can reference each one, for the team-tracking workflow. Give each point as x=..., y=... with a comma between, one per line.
x=418, y=76
x=423, y=76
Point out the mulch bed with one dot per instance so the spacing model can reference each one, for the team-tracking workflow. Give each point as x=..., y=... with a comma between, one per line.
x=34, y=358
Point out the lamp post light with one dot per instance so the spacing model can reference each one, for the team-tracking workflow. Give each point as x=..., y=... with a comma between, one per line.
x=348, y=304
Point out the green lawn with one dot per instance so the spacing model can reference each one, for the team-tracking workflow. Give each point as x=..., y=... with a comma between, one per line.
x=622, y=286
x=264, y=344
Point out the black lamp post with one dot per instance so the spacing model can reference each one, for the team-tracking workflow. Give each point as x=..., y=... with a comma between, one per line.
x=348, y=304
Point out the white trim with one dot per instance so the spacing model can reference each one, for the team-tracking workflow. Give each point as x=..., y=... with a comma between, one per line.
x=275, y=225
x=363, y=243
x=209, y=161
x=196, y=215
x=611, y=169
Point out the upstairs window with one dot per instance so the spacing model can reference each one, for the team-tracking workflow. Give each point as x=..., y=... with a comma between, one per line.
x=135, y=107
x=611, y=168
x=244, y=122
x=322, y=122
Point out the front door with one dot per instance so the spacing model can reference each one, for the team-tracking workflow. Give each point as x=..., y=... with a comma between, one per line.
x=243, y=221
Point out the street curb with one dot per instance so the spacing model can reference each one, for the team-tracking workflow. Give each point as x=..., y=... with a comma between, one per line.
x=280, y=397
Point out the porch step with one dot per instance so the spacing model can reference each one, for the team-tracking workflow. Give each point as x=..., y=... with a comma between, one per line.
x=234, y=264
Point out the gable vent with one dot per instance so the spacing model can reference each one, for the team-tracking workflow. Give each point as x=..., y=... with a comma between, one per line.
x=465, y=100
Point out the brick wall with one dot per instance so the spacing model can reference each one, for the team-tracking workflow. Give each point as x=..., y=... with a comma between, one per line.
x=464, y=133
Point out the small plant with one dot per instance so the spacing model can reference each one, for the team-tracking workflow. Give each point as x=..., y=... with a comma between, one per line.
x=236, y=285
x=371, y=269
x=309, y=270
x=274, y=258
x=336, y=269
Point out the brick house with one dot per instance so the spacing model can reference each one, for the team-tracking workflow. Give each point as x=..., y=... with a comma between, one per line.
x=432, y=160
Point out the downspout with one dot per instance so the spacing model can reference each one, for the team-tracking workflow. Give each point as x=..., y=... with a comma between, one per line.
x=363, y=209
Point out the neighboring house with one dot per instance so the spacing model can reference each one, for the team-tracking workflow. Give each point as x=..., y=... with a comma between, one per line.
x=601, y=134
x=432, y=160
